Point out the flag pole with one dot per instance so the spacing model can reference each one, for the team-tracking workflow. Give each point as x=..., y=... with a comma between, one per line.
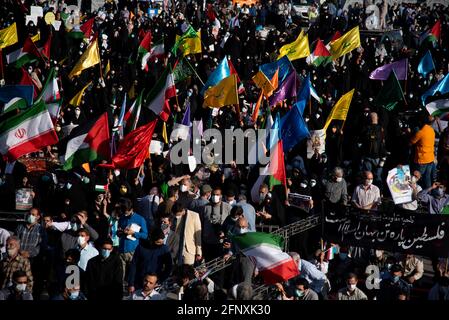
x=187, y=60
x=1, y=63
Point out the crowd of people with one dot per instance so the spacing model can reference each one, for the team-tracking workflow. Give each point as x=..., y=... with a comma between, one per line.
x=145, y=235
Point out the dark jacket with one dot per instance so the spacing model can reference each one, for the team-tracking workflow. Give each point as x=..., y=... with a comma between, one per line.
x=104, y=278
x=149, y=258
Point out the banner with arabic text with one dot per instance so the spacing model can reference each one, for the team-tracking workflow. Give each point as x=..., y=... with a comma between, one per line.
x=421, y=234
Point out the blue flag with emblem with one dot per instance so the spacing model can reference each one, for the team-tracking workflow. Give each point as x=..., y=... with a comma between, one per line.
x=293, y=128
x=426, y=64
x=284, y=65
x=441, y=86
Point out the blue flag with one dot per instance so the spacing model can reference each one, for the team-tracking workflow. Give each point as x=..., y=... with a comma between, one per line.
x=284, y=65
x=304, y=91
x=426, y=64
x=441, y=86
x=13, y=91
x=221, y=71
x=293, y=128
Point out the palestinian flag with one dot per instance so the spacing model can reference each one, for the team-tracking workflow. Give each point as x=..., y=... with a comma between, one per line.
x=432, y=35
x=27, y=54
x=132, y=116
x=51, y=92
x=320, y=54
x=29, y=131
x=265, y=250
x=84, y=31
x=26, y=80
x=88, y=142
x=439, y=108
x=157, y=99
x=277, y=166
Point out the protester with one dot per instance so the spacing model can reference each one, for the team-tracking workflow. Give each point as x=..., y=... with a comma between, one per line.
x=130, y=118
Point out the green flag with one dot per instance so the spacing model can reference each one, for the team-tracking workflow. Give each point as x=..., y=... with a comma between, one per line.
x=390, y=94
x=189, y=34
x=182, y=71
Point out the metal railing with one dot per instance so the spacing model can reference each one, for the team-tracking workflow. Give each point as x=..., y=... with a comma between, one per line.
x=286, y=232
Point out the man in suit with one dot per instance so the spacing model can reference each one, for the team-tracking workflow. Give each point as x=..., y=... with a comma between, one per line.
x=186, y=239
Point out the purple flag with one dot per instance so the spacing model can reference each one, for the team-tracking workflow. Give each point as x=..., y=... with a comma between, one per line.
x=400, y=68
x=286, y=89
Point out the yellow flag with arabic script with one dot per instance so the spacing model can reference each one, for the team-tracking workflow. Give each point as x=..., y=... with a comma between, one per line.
x=340, y=109
x=297, y=49
x=223, y=94
x=89, y=58
x=76, y=100
x=8, y=36
x=346, y=43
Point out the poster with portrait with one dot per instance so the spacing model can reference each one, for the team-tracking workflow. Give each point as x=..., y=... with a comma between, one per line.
x=24, y=199
x=316, y=143
x=398, y=181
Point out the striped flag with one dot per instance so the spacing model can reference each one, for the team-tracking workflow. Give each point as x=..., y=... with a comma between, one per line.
x=439, y=108
x=265, y=250
x=27, y=132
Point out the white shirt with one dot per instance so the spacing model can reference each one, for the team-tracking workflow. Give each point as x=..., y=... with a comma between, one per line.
x=86, y=254
x=154, y=295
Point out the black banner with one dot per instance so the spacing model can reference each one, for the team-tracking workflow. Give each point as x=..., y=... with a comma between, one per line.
x=421, y=234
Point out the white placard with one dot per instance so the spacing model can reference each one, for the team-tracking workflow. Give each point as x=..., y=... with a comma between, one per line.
x=31, y=18
x=156, y=147
x=398, y=181
x=37, y=11
x=211, y=47
x=316, y=142
x=56, y=24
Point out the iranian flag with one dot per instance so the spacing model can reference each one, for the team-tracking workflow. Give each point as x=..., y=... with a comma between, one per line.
x=265, y=250
x=157, y=99
x=132, y=116
x=53, y=108
x=27, y=132
x=88, y=142
x=319, y=55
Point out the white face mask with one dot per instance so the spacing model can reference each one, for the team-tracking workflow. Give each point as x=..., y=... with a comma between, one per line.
x=21, y=287
x=81, y=240
x=31, y=219
x=352, y=287
x=369, y=182
x=215, y=198
x=77, y=112
x=117, y=173
x=339, y=179
x=242, y=230
x=184, y=188
x=232, y=202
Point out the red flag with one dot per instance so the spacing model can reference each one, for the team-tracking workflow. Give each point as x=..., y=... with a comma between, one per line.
x=28, y=81
x=134, y=148
x=46, y=48
x=87, y=27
